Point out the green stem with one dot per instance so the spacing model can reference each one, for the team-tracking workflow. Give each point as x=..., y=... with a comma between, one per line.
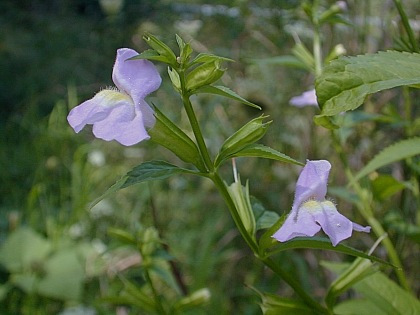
x=287, y=277
x=194, y=123
x=215, y=177
x=317, y=51
x=365, y=210
x=158, y=302
x=197, y=133
x=407, y=26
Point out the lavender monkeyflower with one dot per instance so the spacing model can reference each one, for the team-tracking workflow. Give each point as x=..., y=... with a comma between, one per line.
x=121, y=113
x=311, y=211
x=307, y=98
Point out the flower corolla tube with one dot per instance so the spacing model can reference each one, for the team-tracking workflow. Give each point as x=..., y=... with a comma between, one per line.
x=121, y=113
x=307, y=98
x=311, y=211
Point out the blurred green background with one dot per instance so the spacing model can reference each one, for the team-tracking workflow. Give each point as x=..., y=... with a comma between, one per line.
x=56, y=53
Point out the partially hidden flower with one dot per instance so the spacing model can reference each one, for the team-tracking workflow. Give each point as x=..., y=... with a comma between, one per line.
x=307, y=98
x=311, y=211
x=121, y=113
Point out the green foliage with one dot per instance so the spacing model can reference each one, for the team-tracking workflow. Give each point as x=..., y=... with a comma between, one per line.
x=325, y=244
x=357, y=271
x=346, y=82
x=241, y=198
x=380, y=293
x=148, y=171
x=273, y=304
x=395, y=152
x=262, y=151
x=167, y=134
x=226, y=92
x=39, y=267
x=251, y=132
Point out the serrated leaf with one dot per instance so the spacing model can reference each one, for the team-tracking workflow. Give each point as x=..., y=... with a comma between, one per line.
x=347, y=81
x=323, y=243
x=148, y=171
x=325, y=122
x=395, y=152
x=224, y=91
x=262, y=151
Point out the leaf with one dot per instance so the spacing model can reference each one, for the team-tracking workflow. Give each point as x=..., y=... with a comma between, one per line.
x=273, y=304
x=205, y=57
x=384, y=186
x=23, y=249
x=266, y=240
x=64, y=276
x=390, y=298
x=241, y=199
x=251, y=132
x=347, y=81
x=304, y=55
x=170, y=136
x=395, y=152
x=262, y=151
x=132, y=295
x=148, y=171
x=357, y=271
x=359, y=307
x=204, y=74
x=161, y=48
x=150, y=54
x=264, y=218
x=387, y=295
x=323, y=243
x=196, y=299
x=224, y=91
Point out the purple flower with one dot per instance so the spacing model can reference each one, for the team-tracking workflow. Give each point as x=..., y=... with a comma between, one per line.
x=307, y=98
x=311, y=211
x=121, y=113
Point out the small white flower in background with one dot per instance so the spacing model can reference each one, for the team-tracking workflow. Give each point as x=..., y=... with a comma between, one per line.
x=96, y=158
x=307, y=98
x=102, y=209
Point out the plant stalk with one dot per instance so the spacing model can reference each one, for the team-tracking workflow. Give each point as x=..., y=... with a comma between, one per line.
x=365, y=210
x=407, y=27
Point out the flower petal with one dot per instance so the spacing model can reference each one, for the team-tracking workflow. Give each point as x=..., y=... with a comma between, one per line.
x=300, y=223
x=124, y=124
x=137, y=78
x=312, y=182
x=95, y=109
x=333, y=223
x=359, y=228
x=307, y=98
